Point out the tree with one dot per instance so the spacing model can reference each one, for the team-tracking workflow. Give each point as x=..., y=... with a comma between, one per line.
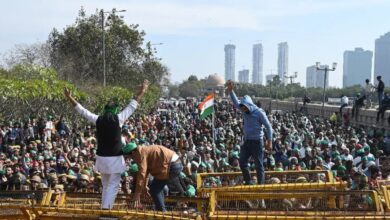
x=34, y=54
x=173, y=91
x=191, y=87
x=77, y=52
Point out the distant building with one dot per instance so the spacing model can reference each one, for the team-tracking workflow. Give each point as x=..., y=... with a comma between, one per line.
x=243, y=76
x=257, y=71
x=215, y=82
x=282, y=60
x=382, y=59
x=230, y=59
x=357, y=67
x=269, y=78
x=315, y=78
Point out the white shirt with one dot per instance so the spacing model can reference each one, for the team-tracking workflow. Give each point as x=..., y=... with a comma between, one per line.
x=344, y=100
x=348, y=157
x=115, y=164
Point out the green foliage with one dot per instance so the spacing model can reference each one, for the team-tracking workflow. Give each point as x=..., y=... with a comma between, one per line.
x=42, y=94
x=29, y=90
x=77, y=52
x=191, y=87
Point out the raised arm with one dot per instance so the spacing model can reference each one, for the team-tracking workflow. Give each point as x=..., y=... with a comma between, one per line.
x=79, y=108
x=133, y=103
x=230, y=88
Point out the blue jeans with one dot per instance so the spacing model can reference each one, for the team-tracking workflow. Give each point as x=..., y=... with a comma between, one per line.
x=380, y=98
x=254, y=149
x=157, y=186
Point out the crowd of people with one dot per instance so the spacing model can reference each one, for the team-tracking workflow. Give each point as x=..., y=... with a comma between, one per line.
x=174, y=144
x=47, y=153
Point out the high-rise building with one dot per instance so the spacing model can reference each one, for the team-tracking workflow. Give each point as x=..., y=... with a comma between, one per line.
x=357, y=67
x=282, y=60
x=382, y=59
x=269, y=78
x=230, y=59
x=315, y=78
x=243, y=76
x=257, y=71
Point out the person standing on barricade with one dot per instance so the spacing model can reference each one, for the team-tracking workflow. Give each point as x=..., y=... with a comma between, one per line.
x=254, y=121
x=109, y=160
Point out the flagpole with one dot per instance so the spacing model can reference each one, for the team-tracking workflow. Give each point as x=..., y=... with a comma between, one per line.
x=213, y=117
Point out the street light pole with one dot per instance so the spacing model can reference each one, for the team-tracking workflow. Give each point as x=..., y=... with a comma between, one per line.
x=291, y=80
x=326, y=70
x=102, y=12
x=103, y=48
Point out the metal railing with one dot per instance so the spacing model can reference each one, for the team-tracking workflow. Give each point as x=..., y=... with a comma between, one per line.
x=295, y=204
x=222, y=180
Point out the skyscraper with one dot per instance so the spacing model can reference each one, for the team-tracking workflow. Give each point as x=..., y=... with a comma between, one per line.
x=315, y=78
x=357, y=67
x=230, y=59
x=257, y=71
x=382, y=58
x=243, y=76
x=282, y=60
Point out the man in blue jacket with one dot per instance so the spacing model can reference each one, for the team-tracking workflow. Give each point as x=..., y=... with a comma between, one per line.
x=255, y=120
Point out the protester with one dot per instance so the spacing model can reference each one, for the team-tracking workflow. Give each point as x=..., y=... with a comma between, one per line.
x=385, y=106
x=109, y=160
x=254, y=120
x=381, y=90
x=357, y=104
x=161, y=163
x=344, y=101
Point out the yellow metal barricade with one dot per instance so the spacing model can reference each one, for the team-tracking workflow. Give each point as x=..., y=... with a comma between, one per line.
x=281, y=187
x=18, y=204
x=216, y=180
x=83, y=205
x=296, y=205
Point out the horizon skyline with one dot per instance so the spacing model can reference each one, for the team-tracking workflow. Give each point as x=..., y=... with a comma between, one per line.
x=194, y=33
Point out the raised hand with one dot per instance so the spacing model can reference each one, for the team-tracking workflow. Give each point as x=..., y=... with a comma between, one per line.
x=67, y=92
x=145, y=85
x=230, y=85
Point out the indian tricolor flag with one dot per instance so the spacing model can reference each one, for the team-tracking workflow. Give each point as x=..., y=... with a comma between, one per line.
x=207, y=106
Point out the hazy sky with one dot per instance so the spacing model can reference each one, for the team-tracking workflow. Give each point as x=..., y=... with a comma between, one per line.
x=194, y=32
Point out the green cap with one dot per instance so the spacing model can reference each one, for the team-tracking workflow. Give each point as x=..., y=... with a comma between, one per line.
x=342, y=168
x=128, y=148
x=360, y=152
x=324, y=142
x=235, y=154
x=191, y=191
x=133, y=168
x=124, y=174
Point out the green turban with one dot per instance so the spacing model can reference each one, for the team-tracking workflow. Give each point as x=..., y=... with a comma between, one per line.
x=128, y=148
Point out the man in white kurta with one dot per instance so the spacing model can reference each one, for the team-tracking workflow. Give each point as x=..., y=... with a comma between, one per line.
x=109, y=160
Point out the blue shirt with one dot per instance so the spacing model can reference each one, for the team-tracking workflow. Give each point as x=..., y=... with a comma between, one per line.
x=254, y=120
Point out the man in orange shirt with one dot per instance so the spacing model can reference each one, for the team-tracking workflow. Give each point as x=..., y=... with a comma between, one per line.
x=160, y=162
